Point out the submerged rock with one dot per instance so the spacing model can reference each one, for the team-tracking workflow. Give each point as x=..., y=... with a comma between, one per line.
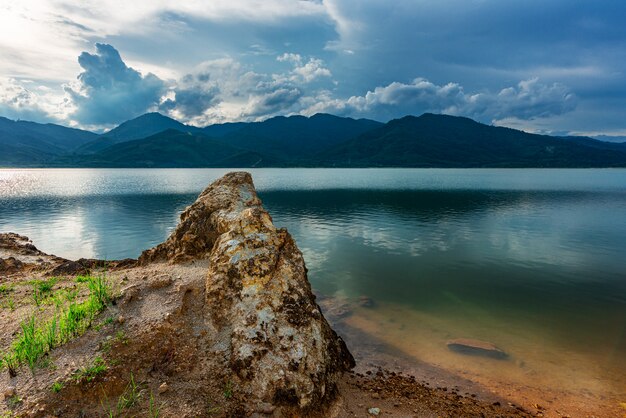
x=279, y=346
x=366, y=302
x=476, y=347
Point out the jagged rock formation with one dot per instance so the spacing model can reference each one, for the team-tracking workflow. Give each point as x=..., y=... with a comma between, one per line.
x=206, y=219
x=280, y=348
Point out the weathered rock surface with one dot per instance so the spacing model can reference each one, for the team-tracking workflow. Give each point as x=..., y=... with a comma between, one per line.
x=476, y=347
x=206, y=219
x=281, y=349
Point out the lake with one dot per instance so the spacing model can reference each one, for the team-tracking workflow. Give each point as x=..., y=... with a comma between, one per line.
x=532, y=260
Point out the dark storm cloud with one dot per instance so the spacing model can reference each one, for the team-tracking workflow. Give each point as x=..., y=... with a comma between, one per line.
x=110, y=91
x=194, y=94
x=279, y=100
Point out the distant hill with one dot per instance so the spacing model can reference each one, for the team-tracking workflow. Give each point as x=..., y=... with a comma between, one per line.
x=170, y=148
x=448, y=141
x=30, y=143
x=138, y=128
x=295, y=138
x=322, y=140
x=611, y=138
x=221, y=129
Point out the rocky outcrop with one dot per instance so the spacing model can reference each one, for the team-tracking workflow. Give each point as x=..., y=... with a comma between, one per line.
x=17, y=244
x=281, y=350
x=206, y=219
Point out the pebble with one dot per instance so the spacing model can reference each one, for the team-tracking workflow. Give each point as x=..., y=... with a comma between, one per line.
x=374, y=411
x=163, y=388
x=9, y=392
x=121, y=319
x=375, y=395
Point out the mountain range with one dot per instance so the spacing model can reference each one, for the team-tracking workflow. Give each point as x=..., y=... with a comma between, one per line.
x=322, y=140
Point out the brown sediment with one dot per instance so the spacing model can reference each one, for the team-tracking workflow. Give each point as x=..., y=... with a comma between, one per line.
x=219, y=320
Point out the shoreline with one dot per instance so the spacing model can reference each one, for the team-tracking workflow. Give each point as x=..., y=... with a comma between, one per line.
x=378, y=363
x=372, y=384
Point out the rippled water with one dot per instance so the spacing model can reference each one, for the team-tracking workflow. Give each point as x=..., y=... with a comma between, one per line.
x=533, y=260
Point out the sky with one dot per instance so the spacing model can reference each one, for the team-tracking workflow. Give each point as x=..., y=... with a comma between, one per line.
x=549, y=66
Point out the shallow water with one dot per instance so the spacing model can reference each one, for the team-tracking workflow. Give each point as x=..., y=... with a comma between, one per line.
x=532, y=260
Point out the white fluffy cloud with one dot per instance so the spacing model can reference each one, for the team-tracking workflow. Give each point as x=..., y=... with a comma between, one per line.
x=226, y=90
x=27, y=101
x=529, y=99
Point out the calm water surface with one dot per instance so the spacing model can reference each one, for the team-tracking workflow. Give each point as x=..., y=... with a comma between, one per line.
x=533, y=260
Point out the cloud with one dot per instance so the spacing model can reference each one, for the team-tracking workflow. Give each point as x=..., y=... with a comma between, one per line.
x=277, y=101
x=110, y=92
x=227, y=90
x=19, y=102
x=304, y=72
x=530, y=99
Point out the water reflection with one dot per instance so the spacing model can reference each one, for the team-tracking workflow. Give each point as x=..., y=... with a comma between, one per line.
x=107, y=227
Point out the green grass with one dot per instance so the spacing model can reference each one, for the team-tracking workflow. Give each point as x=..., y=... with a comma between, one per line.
x=7, y=298
x=56, y=387
x=82, y=279
x=121, y=337
x=42, y=289
x=70, y=319
x=228, y=390
x=154, y=410
x=131, y=396
x=91, y=372
x=128, y=399
x=14, y=401
x=8, y=302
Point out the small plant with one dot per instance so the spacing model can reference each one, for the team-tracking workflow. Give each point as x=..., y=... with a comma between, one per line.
x=82, y=279
x=8, y=302
x=154, y=410
x=42, y=289
x=11, y=363
x=131, y=395
x=121, y=337
x=56, y=387
x=89, y=373
x=14, y=401
x=213, y=409
x=228, y=390
x=5, y=289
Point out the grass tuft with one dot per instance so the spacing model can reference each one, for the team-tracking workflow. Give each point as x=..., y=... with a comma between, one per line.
x=154, y=410
x=56, y=387
x=91, y=372
x=70, y=319
x=42, y=289
x=131, y=396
